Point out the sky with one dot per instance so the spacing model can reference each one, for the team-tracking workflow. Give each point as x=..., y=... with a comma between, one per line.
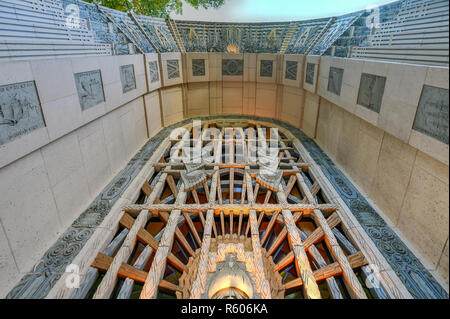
x=275, y=10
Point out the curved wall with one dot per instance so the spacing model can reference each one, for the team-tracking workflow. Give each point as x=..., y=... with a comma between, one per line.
x=49, y=176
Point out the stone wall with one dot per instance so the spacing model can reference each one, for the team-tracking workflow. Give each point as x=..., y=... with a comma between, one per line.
x=410, y=187
x=50, y=174
x=395, y=148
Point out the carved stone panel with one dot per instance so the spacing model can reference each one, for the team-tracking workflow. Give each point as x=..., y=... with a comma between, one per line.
x=335, y=80
x=198, y=67
x=90, y=88
x=153, y=69
x=432, y=113
x=20, y=111
x=310, y=72
x=127, y=78
x=266, y=69
x=371, y=90
x=291, y=70
x=173, y=69
x=232, y=67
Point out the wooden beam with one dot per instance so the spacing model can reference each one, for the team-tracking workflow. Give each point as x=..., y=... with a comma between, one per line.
x=195, y=208
x=199, y=283
x=212, y=194
x=351, y=281
x=255, y=192
x=318, y=233
x=285, y=261
x=127, y=271
x=126, y=221
x=392, y=285
x=192, y=228
x=310, y=287
x=244, y=189
x=269, y=227
x=102, y=262
x=290, y=185
x=260, y=218
x=222, y=223
x=206, y=189
x=106, y=286
x=332, y=285
x=172, y=185
x=202, y=218
x=178, y=166
x=268, y=194
x=146, y=188
x=128, y=284
x=219, y=189
x=231, y=224
x=148, y=239
x=195, y=195
x=240, y=223
x=377, y=290
x=356, y=260
x=262, y=285
x=315, y=189
x=179, y=235
x=164, y=284
x=278, y=240
x=231, y=186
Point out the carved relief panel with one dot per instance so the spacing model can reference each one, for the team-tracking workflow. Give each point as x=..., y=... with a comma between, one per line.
x=90, y=88
x=310, y=72
x=127, y=78
x=432, y=114
x=266, y=69
x=198, y=67
x=232, y=67
x=371, y=90
x=335, y=80
x=173, y=69
x=20, y=111
x=291, y=70
x=153, y=69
